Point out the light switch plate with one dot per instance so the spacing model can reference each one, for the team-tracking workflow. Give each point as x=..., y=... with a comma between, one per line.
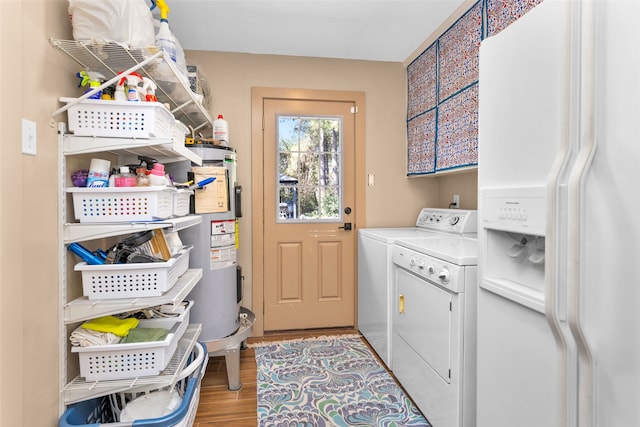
x=29, y=141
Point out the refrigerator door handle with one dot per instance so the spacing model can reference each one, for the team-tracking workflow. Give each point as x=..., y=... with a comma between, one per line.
x=554, y=312
x=576, y=183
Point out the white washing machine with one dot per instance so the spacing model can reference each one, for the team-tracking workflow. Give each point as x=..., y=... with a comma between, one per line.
x=434, y=325
x=375, y=293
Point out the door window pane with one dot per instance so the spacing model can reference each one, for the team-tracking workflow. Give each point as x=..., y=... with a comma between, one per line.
x=309, y=162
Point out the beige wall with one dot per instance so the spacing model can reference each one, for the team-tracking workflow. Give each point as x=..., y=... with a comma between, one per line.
x=464, y=184
x=394, y=200
x=32, y=77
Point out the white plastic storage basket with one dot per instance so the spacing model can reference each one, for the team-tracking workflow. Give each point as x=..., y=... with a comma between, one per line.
x=105, y=410
x=181, y=200
x=132, y=360
x=122, y=204
x=112, y=281
x=119, y=119
x=179, y=132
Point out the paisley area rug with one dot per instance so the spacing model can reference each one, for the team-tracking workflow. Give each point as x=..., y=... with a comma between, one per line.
x=328, y=381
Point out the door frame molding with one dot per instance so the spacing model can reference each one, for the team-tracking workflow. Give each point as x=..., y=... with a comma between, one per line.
x=258, y=96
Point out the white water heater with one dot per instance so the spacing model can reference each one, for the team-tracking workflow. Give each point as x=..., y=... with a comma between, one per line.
x=218, y=295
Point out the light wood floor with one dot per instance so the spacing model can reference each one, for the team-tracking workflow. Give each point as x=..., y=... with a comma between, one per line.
x=221, y=407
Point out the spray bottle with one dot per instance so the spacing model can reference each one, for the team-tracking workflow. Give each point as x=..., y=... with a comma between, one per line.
x=120, y=94
x=164, y=38
x=93, y=79
x=149, y=88
x=133, y=87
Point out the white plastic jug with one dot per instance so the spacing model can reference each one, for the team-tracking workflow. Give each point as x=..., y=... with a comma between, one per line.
x=221, y=130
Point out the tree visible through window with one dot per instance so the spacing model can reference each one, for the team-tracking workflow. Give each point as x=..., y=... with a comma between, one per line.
x=309, y=168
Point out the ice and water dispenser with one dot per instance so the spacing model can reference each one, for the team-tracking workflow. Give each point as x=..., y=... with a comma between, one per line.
x=218, y=295
x=514, y=256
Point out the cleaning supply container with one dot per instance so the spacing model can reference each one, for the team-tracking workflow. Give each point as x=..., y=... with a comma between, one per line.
x=125, y=178
x=107, y=410
x=158, y=175
x=221, y=130
x=165, y=38
x=98, y=173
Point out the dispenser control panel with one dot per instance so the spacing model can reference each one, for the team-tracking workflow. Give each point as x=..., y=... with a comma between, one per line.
x=514, y=209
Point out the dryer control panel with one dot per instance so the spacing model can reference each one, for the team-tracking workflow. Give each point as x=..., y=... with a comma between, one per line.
x=433, y=270
x=456, y=221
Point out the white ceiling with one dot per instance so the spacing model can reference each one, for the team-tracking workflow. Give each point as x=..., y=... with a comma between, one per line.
x=377, y=30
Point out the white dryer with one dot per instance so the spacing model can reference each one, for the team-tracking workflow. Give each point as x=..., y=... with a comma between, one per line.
x=375, y=284
x=434, y=325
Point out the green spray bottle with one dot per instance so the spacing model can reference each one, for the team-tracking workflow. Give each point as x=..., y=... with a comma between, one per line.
x=93, y=79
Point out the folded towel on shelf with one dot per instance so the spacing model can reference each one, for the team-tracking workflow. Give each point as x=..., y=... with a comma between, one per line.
x=86, y=337
x=145, y=335
x=112, y=324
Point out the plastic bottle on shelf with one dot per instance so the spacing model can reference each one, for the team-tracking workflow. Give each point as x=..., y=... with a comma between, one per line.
x=92, y=79
x=125, y=178
x=98, y=173
x=149, y=88
x=164, y=38
x=134, y=87
x=119, y=94
x=142, y=180
x=157, y=175
x=221, y=130
x=133, y=95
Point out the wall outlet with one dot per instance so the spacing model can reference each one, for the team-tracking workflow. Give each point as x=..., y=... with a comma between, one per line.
x=456, y=201
x=29, y=145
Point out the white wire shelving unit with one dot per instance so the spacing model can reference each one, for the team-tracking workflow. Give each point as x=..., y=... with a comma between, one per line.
x=111, y=58
x=113, y=61
x=80, y=389
x=81, y=309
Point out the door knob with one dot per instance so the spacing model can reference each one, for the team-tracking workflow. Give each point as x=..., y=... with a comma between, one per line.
x=347, y=210
x=401, y=303
x=346, y=226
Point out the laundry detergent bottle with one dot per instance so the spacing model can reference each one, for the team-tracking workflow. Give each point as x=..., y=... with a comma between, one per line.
x=221, y=130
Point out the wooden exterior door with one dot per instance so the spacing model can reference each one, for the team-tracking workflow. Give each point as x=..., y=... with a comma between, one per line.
x=308, y=204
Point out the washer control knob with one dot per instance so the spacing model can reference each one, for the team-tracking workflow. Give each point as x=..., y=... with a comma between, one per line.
x=412, y=262
x=454, y=220
x=431, y=269
x=444, y=275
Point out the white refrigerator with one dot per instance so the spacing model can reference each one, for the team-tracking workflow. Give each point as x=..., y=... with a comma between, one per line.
x=559, y=218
